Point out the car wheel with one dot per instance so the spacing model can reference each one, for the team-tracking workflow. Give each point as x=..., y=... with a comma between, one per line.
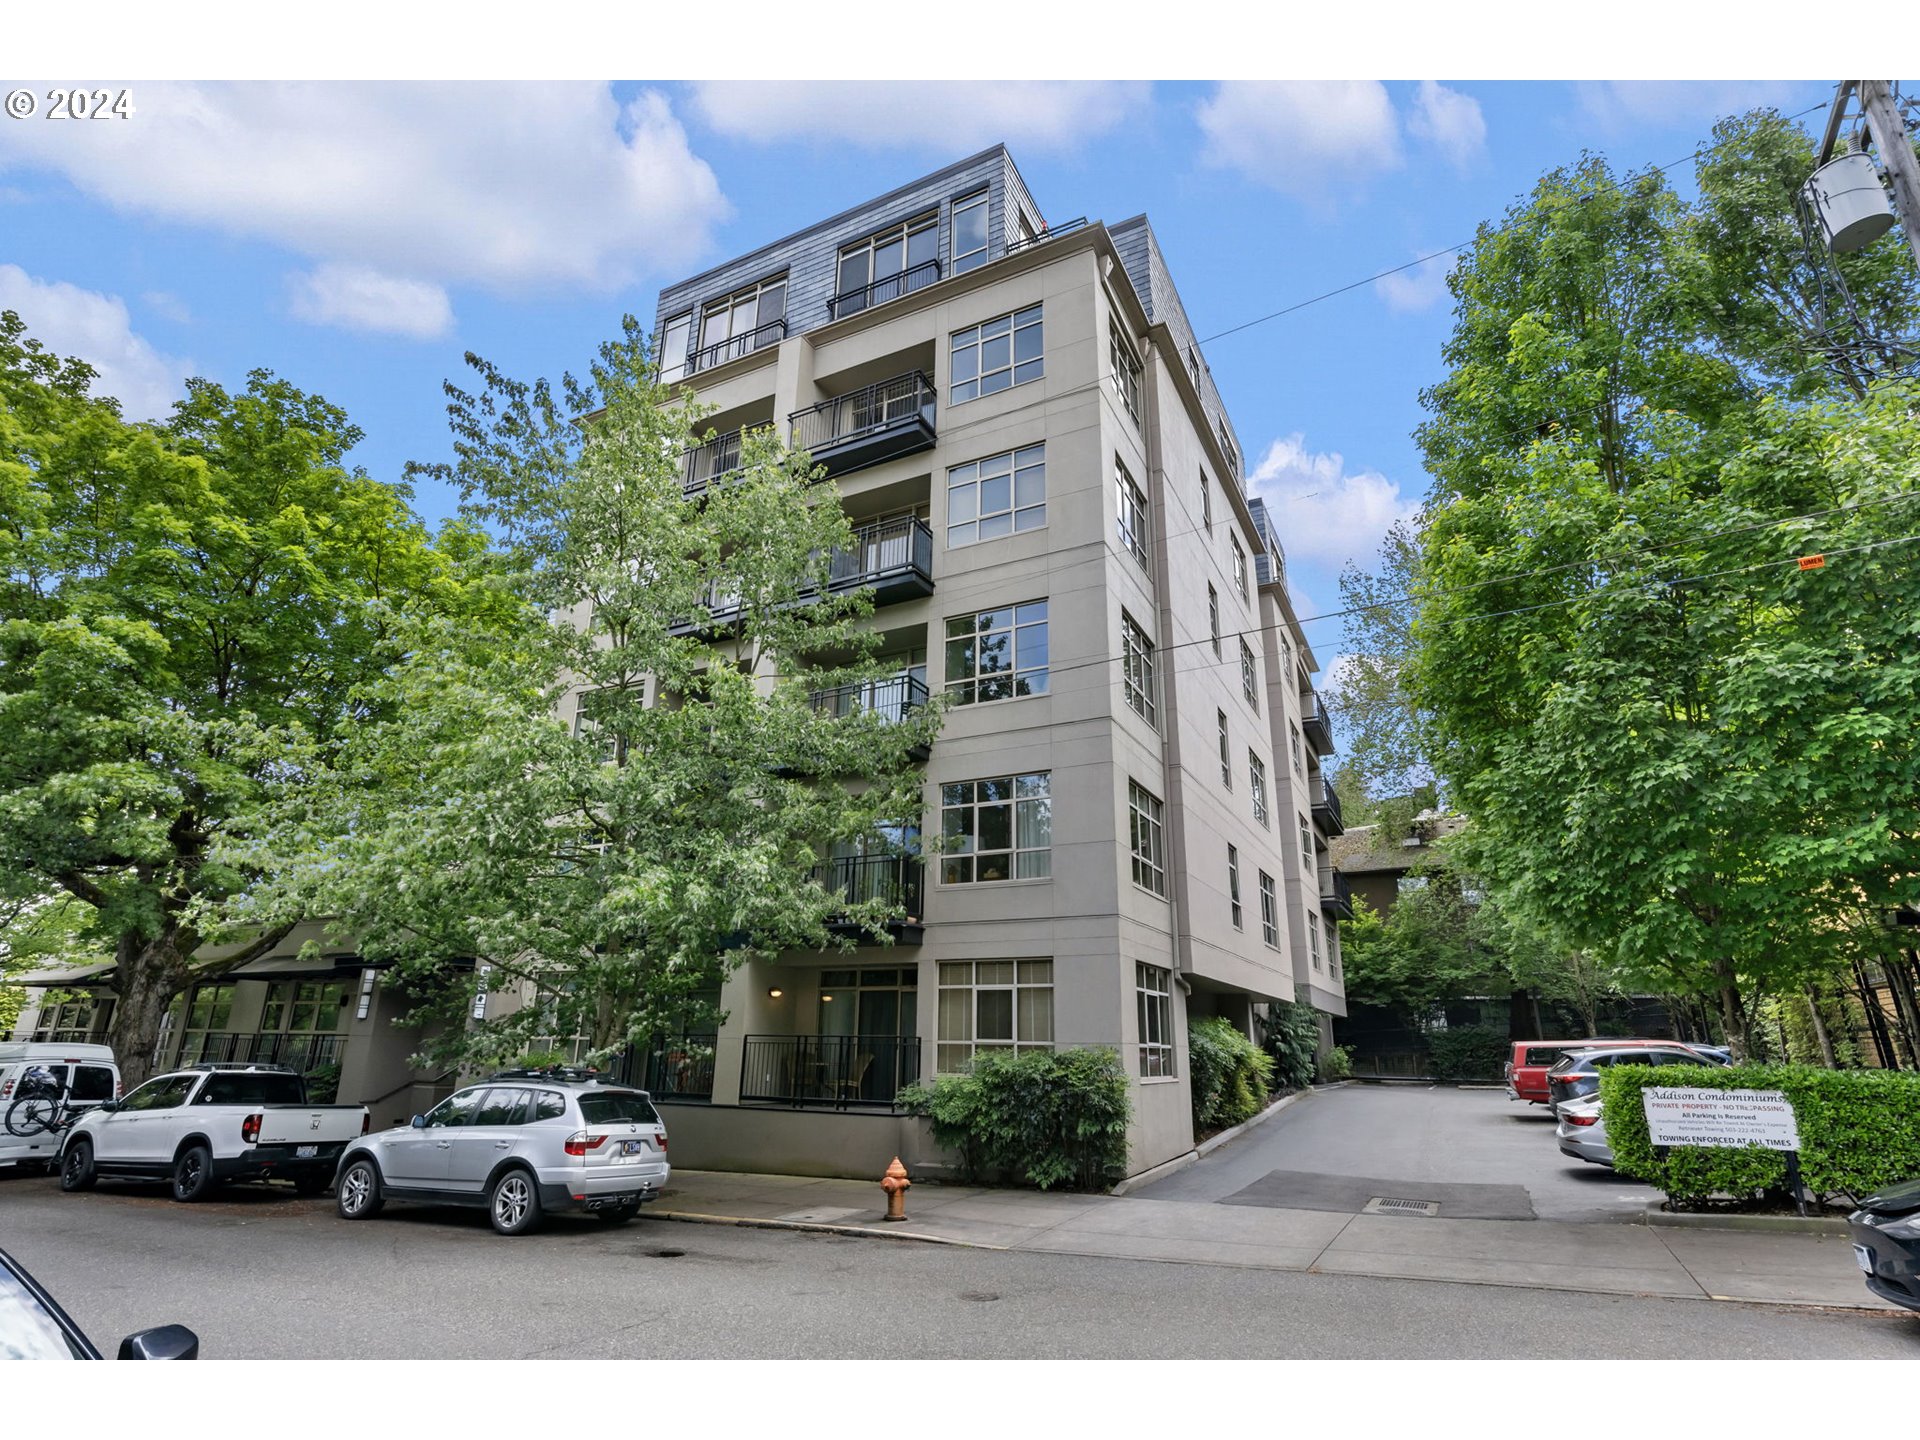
x=193, y=1174
x=76, y=1167
x=514, y=1203
x=359, y=1197
x=309, y=1184
x=618, y=1214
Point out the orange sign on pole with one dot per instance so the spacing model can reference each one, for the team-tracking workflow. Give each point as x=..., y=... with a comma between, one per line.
x=1813, y=562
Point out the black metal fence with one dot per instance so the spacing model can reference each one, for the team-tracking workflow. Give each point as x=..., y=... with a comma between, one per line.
x=860, y=879
x=304, y=1053
x=864, y=411
x=679, y=1067
x=711, y=462
x=1050, y=232
x=838, y=1072
x=884, y=548
x=890, y=287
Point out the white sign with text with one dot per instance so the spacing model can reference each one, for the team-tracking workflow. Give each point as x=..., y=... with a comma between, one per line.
x=1732, y=1118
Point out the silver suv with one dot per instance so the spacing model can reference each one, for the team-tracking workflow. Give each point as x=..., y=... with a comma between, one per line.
x=521, y=1143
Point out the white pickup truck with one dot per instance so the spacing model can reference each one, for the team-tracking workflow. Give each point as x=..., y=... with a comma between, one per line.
x=206, y=1124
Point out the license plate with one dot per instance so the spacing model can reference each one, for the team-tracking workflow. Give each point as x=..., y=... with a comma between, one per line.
x=305, y=1152
x=1865, y=1257
x=633, y=1147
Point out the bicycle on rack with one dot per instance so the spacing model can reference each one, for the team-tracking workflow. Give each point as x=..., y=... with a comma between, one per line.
x=42, y=1107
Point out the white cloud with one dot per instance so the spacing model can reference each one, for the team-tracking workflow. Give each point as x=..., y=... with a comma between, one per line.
x=1622, y=105
x=354, y=297
x=167, y=306
x=89, y=326
x=511, y=186
x=1421, y=288
x=951, y=115
x=1449, y=121
x=1316, y=140
x=1323, y=512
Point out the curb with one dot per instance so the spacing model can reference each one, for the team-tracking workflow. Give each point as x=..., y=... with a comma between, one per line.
x=1158, y=1172
x=1766, y=1224
x=1214, y=1142
x=690, y=1217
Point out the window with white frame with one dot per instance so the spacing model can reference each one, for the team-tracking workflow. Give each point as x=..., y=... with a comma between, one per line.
x=997, y=654
x=1233, y=885
x=742, y=322
x=1136, y=668
x=1213, y=619
x=1269, y=911
x=1226, y=751
x=1133, y=514
x=1299, y=760
x=886, y=266
x=1145, y=826
x=1206, y=501
x=675, y=344
x=1313, y=938
x=1153, y=989
x=1249, y=677
x=1307, y=852
x=969, y=232
x=591, y=709
x=1126, y=370
x=995, y=354
x=998, y=829
x=1239, y=567
x=992, y=1005
x=1227, y=447
x=1257, y=783
x=997, y=496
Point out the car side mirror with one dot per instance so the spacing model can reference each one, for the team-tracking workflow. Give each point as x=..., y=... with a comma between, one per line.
x=108, y=1105
x=419, y=1122
x=163, y=1342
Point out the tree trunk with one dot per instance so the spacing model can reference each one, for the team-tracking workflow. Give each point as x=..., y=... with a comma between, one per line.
x=1876, y=1017
x=148, y=974
x=1903, y=1006
x=1732, y=1014
x=1820, y=1035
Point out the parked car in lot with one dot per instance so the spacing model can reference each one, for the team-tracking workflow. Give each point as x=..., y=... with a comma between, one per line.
x=522, y=1143
x=1527, y=1069
x=1577, y=1073
x=1582, y=1131
x=1885, y=1231
x=207, y=1124
x=80, y=1076
x=34, y=1327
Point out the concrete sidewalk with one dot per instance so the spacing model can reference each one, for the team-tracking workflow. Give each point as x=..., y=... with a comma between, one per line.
x=1614, y=1259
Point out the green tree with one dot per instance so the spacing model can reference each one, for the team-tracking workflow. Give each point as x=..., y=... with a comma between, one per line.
x=185, y=610
x=614, y=870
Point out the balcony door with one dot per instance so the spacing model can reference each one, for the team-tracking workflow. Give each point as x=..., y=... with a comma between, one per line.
x=890, y=255
x=868, y=1018
x=735, y=326
x=202, y=1020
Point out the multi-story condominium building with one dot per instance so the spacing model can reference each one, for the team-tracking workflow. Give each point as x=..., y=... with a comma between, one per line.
x=1049, y=500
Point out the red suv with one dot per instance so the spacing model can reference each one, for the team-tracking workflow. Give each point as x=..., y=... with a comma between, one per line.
x=1527, y=1070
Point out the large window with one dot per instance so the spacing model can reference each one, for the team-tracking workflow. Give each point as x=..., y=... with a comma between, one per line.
x=737, y=324
x=1133, y=514
x=1239, y=566
x=1269, y=911
x=74, y=1021
x=998, y=829
x=1213, y=619
x=993, y=1005
x=1226, y=754
x=1153, y=988
x=1257, y=783
x=306, y=1007
x=675, y=343
x=1146, y=827
x=1136, y=668
x=1233, y=884
x=1126, y=370
x=997, y=496
x=997, y=654
x=1249, y=676
x=996, y=354
x=203, y=1017
x=969, y=232
x=886, y=266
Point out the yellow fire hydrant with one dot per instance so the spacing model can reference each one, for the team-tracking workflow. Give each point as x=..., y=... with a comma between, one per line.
x=896, y=1184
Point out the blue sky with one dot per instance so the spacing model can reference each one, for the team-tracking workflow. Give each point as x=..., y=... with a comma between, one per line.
x=359, y=238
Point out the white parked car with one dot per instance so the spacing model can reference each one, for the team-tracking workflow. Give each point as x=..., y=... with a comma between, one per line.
x=206, y=1124
x=82, y=1077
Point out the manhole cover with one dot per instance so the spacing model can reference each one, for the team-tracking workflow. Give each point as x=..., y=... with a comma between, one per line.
x=666, y=1254
x=1387, y=1205
x=980, y=1295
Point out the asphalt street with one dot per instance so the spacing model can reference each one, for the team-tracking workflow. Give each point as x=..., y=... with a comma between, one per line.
x=1413, y=1135
x=262, y=1274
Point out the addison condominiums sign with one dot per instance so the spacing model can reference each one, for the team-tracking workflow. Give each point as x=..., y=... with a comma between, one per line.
x=1731, y=1118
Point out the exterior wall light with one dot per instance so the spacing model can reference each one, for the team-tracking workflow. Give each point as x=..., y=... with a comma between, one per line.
x=774, y=992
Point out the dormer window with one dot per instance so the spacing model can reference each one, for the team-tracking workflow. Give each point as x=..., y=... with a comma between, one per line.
x=883, y=267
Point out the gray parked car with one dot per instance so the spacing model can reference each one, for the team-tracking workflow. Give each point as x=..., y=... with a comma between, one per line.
x=521, y=1143
x=1582, y=1131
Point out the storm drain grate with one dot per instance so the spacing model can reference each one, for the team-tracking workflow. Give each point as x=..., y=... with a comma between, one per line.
x=1387, y=1205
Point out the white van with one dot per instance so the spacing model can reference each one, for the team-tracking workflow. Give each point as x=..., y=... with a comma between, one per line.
x=86, y=1075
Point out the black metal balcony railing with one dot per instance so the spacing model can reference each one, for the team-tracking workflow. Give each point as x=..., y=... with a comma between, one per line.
x=895, y=557
x=892, y=699
x=837, y=1072
x=1050, y=232
x=1317, y=725
x=861, y=879
x=877, y=422
x=304, y=1053
x=891, y=287
x=1336, y=895
x=680, y=1067
x=710, y=463
x=1326, y=809
x=732, y=349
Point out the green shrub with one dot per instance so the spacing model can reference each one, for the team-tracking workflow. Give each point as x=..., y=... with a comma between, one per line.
x=1050, y=1117
x=1292, y=1034
x=1859, y=1131
x=1337, y=1063
x=1471, y=1052
x=323, y=1085
x=1230, y=1074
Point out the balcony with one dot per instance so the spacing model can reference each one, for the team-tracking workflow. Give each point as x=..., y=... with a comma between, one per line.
x=892, y=557
x=892, y=699
x=1326, y=809
x=1317, y=725
x=306, y=1054
x=828, y=1072
x=679, y=1067
x=1336, y=896
x=861, y=879
x=711, y=463
x=1051, y=232
x=870, y=425
x=771, y=333
x=891, y=287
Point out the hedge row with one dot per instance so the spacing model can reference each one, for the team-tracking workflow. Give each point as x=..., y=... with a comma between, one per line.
x=1859, y=1131
x=1051, y=1118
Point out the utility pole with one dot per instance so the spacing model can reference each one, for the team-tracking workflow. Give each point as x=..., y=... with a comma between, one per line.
x=1895, y=146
